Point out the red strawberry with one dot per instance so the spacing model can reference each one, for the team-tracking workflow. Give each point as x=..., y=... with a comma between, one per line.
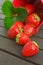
x=30, y=8
x=22, y=38
x=18, y=3
x=34, y=19
x=29, y=30
x=15, y=29
x=30, y=49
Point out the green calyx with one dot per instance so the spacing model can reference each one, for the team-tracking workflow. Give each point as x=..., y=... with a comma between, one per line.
x=36, y=44
x=21, y=29
x=37, y=17
x=17, y=38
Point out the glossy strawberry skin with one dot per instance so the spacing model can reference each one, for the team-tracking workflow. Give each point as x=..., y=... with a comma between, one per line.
x=30, y=49
x=29, y=30
x=15, y=29
x=34, y=19
x=19, y=3
x=30, y=8
x=18, y=24
x=12, y=32
x=22, y=38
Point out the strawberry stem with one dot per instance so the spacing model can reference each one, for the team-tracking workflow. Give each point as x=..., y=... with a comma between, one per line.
x=21, y=29
x=35, y=44
x=17, y=38
x=37, y=17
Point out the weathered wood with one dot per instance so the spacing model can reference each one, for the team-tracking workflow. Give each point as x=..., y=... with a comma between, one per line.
x=0, y=11
x=1, y=22
x=11, y=46
x=2, y=16
x=39, y=34
x=3, y=31
x=6, y=59
x=1, y=2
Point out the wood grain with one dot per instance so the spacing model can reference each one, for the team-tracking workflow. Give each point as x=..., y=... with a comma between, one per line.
x=1, y=2
x=7, y=59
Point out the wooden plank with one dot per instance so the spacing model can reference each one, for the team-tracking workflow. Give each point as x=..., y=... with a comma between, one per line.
x=3, y=31
x=39, y=34
x=1, y=22
x=6, y=59
x=11, y=46
x=1, y=2
x=0, y=11
x=0, y=8
x=2, y=16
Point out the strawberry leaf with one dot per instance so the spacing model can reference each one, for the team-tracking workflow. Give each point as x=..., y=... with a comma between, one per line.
x=10, y=14
x=7, y=8
x=9, y=21
x=22, y=14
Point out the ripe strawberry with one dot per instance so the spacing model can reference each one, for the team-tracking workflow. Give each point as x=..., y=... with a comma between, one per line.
x=22, y=38
x=30, y=8
x=18, y=3
x=30, y=49
x=15, y=29
x=34, y=19
x=29, y=30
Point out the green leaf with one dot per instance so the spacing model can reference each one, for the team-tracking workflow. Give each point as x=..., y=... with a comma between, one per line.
x=7, y=8
x=9, y=21
x=9, y=11
x=21, y=14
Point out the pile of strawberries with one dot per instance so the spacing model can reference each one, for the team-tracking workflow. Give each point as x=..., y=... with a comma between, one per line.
x=23, y=31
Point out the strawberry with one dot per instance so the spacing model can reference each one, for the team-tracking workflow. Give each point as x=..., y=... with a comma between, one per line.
x=34, y=19
x=30, y=49
x=15, y=29
x=18, y=3
x=30, y=8
x=22, y=38
x=29, y=30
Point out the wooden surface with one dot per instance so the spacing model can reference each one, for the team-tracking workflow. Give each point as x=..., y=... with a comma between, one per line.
x=10, y=52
